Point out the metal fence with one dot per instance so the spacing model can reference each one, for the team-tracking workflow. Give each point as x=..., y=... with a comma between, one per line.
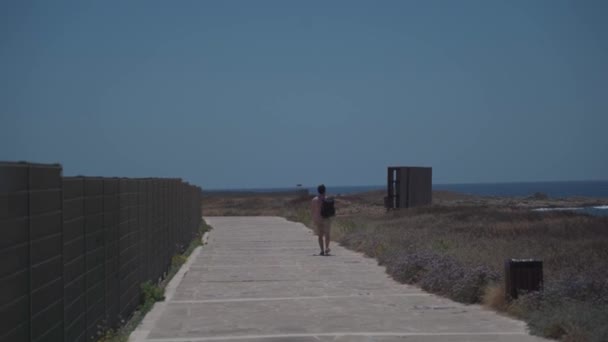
x=74, y=250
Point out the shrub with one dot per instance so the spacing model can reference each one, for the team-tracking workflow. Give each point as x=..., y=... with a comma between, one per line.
x=151, y=293
x=178, y=260
x=570, y=320
x=539, y=196
x=494, y=297
x=471, y=287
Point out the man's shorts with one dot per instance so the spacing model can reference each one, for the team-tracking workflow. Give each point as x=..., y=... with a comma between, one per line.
x=323, y=227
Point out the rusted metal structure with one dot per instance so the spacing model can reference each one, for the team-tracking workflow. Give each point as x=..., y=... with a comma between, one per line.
x=408, y=187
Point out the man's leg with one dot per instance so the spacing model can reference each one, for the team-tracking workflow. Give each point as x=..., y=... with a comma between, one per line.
x=326, y=231
x=321, y=241
x=319, y=232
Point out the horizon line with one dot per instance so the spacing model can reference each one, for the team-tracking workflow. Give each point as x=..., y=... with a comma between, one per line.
x=295, y=187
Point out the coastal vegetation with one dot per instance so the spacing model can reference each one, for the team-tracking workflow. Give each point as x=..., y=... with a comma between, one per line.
x=458, y=246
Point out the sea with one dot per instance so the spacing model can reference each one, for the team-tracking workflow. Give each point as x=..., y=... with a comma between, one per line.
x=564, y=189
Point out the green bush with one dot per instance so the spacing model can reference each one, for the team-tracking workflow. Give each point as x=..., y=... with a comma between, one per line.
x=151, y=293
x=178, y=260
x=106, y=336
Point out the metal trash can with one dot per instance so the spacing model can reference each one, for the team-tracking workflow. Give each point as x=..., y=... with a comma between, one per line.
x=521, y=276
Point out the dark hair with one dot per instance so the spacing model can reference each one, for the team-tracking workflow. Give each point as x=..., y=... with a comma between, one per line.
x=321, y=189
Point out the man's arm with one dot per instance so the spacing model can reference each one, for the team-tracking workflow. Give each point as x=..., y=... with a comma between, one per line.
x=314, y=209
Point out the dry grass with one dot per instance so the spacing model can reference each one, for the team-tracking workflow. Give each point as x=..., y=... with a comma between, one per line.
x=494, y=297
x=248, y=205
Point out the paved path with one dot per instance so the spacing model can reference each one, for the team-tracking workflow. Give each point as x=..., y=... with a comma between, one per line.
x=258, y=280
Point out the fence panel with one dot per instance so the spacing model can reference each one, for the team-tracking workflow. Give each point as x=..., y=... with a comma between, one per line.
x=14, y=252
x=149, y=228
x=74, y=250
x=31, y=252
x=181, y=215
x=111, y=219
x=142, y=212
x=173, y=223
x=165, y=226
x=46, y=252
x=157, y=243
x=74, y=259
x=95, y=256
x=128, y=247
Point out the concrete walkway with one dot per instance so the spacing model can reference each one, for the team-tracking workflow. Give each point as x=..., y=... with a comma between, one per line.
x=259, y=279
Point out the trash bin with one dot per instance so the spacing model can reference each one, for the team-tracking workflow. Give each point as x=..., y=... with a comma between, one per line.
x=522, y=276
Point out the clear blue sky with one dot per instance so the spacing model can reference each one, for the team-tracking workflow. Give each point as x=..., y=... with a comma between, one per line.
x=274, y=93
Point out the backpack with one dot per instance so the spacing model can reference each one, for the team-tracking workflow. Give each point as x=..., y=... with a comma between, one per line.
x=327, y=208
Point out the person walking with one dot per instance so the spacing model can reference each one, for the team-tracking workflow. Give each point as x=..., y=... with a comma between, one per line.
x=321, y=210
